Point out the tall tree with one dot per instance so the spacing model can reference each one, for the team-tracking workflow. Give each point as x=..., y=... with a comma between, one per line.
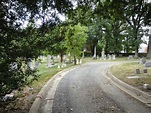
x=135, y=12
x=18, y=45
x=75, y=38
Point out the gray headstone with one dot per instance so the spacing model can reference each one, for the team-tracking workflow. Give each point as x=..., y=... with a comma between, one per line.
x=109, y=57
x=103, y=56
x=137, y=71
x=144, y=70
x=130, y=57
x=142, y=61
x=36, y=64
x=48, y=61
x=147, y=64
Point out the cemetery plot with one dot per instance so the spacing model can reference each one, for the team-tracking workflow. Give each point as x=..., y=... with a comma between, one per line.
x=133, y=73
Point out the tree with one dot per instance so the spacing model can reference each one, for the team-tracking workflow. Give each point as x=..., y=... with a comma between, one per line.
x=55, y=44
x=134, y=14
x=75, y=38
x=18, y=45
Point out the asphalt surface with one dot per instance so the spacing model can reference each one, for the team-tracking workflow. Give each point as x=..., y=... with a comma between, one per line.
x=86, y=89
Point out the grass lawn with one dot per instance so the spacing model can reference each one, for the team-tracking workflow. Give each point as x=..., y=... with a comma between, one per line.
x=25, y=98
x=122, y=71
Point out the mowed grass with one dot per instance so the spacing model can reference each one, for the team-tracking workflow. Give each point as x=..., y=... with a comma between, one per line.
x=46, y=74
x=122, y=71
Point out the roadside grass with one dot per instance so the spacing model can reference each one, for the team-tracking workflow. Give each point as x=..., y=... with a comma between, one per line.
x=122, y=71
x=26, y=97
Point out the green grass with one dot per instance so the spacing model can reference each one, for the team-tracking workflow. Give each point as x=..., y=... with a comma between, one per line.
x=122, y=71
x=46, y=74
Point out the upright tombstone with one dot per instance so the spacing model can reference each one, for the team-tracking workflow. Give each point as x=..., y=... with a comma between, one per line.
x=48, y=61
x=52, y=60
x=80, y=61
x=77, y=61
x=142, y=61
x=147, y=64
x=103, y=56
x=144, y=70
x=110, y=57
x=113, y=57
x=130, y=57
x=137, y=71
x=36, y=64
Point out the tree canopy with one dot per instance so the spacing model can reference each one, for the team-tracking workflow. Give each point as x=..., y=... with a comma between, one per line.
x=113, y=24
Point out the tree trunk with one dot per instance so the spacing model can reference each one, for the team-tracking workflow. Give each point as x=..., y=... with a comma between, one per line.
x=75, y=60
x=149, y=48
x=61, y=57
x=136, y=52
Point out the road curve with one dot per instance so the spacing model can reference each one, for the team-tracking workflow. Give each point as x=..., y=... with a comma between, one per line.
x=87, y=89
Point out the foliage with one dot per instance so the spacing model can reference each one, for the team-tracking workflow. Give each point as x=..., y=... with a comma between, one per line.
x=75, y=38
x=19, y=45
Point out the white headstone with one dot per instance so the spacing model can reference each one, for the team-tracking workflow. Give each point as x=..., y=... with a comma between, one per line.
x=77, y=61
x=103, y=57
x=58, y=66
x=110, y=57
x=80, y=61
x=48, y=61
x=63, y=65
x=113, y=57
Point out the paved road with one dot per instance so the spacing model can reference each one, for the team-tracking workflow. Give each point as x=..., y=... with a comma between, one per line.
x=86, y=89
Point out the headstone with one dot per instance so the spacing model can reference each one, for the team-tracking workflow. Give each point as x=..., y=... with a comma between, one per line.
x=142, y=61
x=110, y=57
x=144, y=70
x=80, y=61
x=113, y=57
x=103, y=56
x=147, y=86
x=77, y=61
x=36, y=64
x=137, y=71
x=58, y=66
x=130, y=57
x=48, y=61
x=63, y=65
x=52, y=61
x=147, y=64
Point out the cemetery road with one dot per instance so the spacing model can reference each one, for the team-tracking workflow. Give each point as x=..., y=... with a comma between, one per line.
x=86, y=89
